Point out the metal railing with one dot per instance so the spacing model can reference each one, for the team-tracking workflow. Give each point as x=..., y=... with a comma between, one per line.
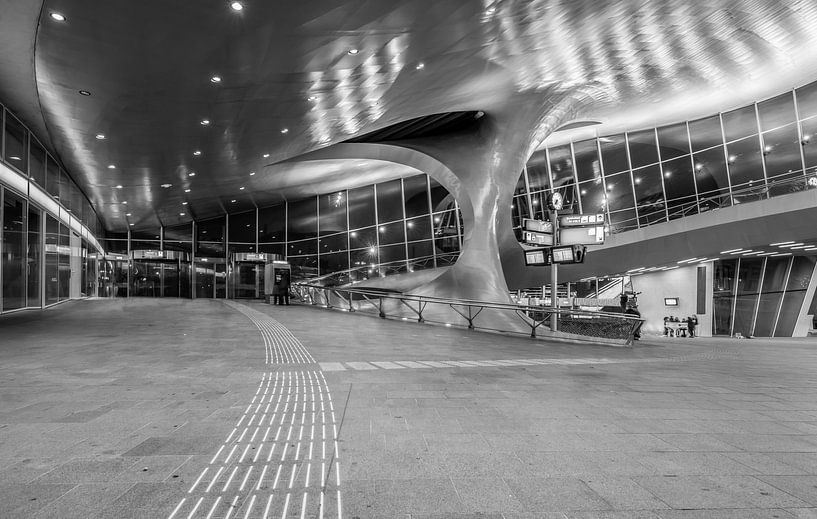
x=378, y=270
x=598, y=327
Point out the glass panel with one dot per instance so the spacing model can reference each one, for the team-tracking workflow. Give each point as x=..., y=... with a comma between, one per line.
x=333, y=262
x=807, y=100
x=65, y=190
x=441, y=199
x=272, y=223
x=367, y=256
x=710, y=171
x=363, y=238
x=421, y=249
x=210, y=238
x=273, y=248
x=621, y=221
x=64, y=263
x=241, y=247
x=748, y=290
x=777, y=111
x=304, y=266
x=35, y=256
x=52, y=180
x=418, y=228
x=799, y=278
x=724, y=281
x=643, y=148
x=781, y=152
x=332, y=213
x=619, y=191
x=561, y=166
x=673, y=141
x=537, y=175
x=36, y=166
x=587, y=161
x=302, y=219
x=745, y=162
x=392, y=253
x=415, y=192
x=809, y=142
x=334, y=243
x=14, y=252
x=391, y=233
x=649, y=194
x=302, y=247
x=389, y=201
x=361, y=207
x=242, y=227
x=594, y=199
x=16, y=143
x=740, y=123
x=771, y=295
x=679, y=185
x=614, y=154
x=705, y=133
x=205, y=279
x=179, y=233
x=52, y=242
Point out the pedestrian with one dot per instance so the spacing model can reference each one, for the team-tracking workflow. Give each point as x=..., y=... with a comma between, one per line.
x=622, y=301
x=692, y=321
x=285, y=287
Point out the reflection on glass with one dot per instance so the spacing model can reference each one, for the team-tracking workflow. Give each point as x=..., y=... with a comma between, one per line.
x=799, y=277
x=302, y=247
x=723, y=295
x=415, y=191
x=745, y=162
x=771, y=295
x=587, y=161
x=740, y=123
x=34, y=256
x=807, y=100
x=777, y=111
x=673, y=141
x=242, y=227
x=561, y=166
x=389, y=201
x=747, y=293
x=418, y=228
x=361, y=207
x=332, y=211
x=272, y=223
x=593, y=196
x=614, y=154
x=705, y=133
x=14, y=256
x=620, y=191
x=710, y=171
x=16, y=146
x=361, y=238
x=643, y=148
x=781, y=153
x=391, y=233
x=36, y=166
x=649, y=195
x=334, y=243
x=302, y=219
x=679, y=186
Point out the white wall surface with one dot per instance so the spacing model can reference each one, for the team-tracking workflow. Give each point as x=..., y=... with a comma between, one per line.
x=681, y=283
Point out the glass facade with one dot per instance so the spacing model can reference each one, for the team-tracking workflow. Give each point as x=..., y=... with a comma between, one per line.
x=48, y=226
x=650, y=176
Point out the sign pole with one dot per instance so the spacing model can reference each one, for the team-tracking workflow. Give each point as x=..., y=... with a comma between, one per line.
x=554, y=276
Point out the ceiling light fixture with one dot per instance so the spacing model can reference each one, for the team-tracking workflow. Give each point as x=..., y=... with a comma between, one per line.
x=182, y=214
x=791, y=245
x=232, y=201
x=127, y=214
x=132, y=225
x=15, y=157
x=781, y=243
x=285, y=131
x=265, y=155
x=252, y=173
x=166, y=185
x=205, y=122
x=312, y=98
x=215, y=79
x=187, y=190
x=420, y=66
x=191, y=174
x=100, y=136
x=125, y=202
x=197, y=153
x=58, y=17
x=353, y=51
x=84, y=93
x=119, y=186
x=241, y=188
x=184, y=203
x=730, y=251
x=111, y=166
x=236, y=6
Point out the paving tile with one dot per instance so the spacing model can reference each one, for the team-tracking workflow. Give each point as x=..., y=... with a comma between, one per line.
x=703, y=492
x=803, y=487
x=555, y=494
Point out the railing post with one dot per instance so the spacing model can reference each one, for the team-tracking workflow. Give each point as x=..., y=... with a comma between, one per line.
x=382, y=314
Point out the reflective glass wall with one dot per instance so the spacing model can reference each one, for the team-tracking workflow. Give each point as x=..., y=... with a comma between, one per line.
x=48, y=226
x=760, y=297
x=650, y=176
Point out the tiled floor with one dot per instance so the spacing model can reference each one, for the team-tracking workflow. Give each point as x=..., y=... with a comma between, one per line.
x=153, y=408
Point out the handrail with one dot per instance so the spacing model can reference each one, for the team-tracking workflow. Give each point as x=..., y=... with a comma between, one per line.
x=390, y=267
x=600, y=327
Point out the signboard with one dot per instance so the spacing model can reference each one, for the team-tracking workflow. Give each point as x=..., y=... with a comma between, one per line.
x=153, y=254
x=537, y=257
x=537, y=238
x=572, y=254
x=255, y=256
x=538, y=226
x=581, y=220
x=581, y=235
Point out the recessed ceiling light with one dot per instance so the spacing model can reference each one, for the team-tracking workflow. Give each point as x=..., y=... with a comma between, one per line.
x=132, y=225
x=184, y=203
x=191, y=174
x=236, y=6
x=252, y=173
x=166, y=185
x=182, y=214
x=353, y=51
x=312, y=98
x=285, y=130
x=205, y=122
x=196, y=153
x=187, y=190
x=490, y=10
x=84, y=93
x=420, y=66
x=119, y=186
x=127, y=214
x=100, y=136
x=265, y=155
x=232, y=201
x=58, y=17
x=241, y=188
x=14, y=157
x=111, y=166
x=215, y=79
x=781, y=243
x=125, y=202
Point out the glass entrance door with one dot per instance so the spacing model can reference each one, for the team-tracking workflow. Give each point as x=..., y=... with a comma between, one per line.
x=159, y=279
x=248, y=280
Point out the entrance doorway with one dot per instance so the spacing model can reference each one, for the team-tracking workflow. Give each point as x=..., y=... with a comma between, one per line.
x=160, y=274
x=247, y=274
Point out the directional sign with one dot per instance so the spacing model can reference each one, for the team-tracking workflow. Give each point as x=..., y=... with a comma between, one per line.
x=581, y=235
x=538, y=226
x=537, y=238
x=581, y=220
x=537, y=257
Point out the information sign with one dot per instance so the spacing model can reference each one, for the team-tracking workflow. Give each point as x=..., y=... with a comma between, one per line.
x=537, y=257
x=581, y=235
x=538, y=226
x=538, y=238
x=562, y=254
x=581, y=220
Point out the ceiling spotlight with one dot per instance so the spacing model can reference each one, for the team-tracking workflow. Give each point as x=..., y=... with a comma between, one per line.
x=187, y=190
x=232, y=201
x=197, y=153
x=191, y=174
x=127, y=214
x=58, y=17
x=205, y=122
x=125, y=202
x=252, y=173
x=490, y=10
x=15, y=157
x=353, y=51
x=111, y=166
x=312, y=98
x=182, y=214
x=132, y=225
x=236, y=6
x=84, y=93
x=285, y=131
x=266, y=155
x=119, y=186
x=215, y=79
x=100, y=136
x=420, y=66
x=184, y=203
x=166, y=185
x=241, y=188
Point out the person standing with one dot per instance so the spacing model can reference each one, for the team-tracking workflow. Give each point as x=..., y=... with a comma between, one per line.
x=692, y=321
x=285, y=287
x=622, y=301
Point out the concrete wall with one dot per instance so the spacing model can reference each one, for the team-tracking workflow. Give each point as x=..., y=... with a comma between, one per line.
x=681, y=283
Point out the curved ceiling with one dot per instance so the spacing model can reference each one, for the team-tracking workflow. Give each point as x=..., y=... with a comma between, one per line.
x=300, y=76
